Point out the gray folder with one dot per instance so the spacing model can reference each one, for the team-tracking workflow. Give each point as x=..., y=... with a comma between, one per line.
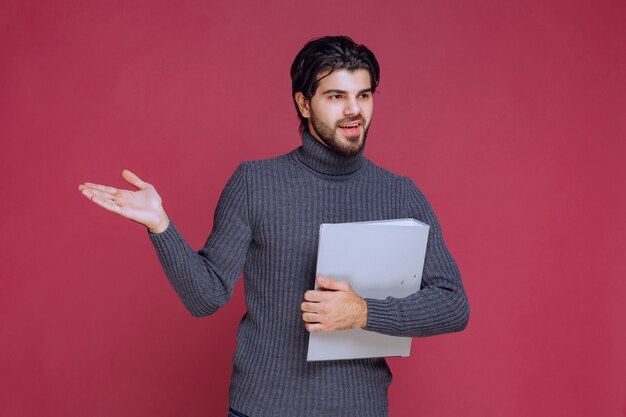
x=378, y=259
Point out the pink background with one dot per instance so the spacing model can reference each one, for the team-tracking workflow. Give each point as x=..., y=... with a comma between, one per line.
x=510, y=115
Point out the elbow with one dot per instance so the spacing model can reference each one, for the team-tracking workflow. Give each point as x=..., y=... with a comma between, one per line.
x=461, y=316
x=199, y=314
x=199, y=306
x=456, y=315
x=463, y=319
x=199, y=311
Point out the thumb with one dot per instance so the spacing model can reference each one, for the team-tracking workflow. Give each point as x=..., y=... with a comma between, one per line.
x=332, y=284
x=133, y=179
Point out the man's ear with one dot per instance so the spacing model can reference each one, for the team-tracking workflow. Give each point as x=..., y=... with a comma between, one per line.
x=303, y=104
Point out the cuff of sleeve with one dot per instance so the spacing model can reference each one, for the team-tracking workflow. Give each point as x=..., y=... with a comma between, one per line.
x=381, y=316
x=164, y=239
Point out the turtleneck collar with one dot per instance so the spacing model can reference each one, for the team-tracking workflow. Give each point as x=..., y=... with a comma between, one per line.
x=325, y=161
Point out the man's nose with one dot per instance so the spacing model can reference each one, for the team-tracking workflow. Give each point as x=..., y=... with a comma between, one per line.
x=352, y=107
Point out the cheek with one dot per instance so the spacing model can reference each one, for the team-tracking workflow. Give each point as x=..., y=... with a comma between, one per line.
x=329, y=116
x=368, y=109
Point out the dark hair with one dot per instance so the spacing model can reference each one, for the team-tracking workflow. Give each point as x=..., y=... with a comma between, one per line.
x=329, y=54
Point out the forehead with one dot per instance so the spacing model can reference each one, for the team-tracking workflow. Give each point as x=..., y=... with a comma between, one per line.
x=345, y=80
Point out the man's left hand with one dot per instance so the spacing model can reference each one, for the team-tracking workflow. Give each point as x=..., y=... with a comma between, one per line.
x=333, y=306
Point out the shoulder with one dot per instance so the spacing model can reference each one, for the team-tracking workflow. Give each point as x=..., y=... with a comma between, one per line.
x=385, y=175
x=264, y=166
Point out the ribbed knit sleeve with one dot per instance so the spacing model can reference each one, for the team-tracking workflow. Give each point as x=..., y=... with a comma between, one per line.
x=204, y=281
x=441, y=305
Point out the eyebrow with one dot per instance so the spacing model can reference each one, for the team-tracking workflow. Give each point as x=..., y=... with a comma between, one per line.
x=367, y=90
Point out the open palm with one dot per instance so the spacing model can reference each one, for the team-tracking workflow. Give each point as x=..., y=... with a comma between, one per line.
x=142, y=206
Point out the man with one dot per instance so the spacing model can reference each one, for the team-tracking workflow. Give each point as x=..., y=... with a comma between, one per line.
x=266, y=225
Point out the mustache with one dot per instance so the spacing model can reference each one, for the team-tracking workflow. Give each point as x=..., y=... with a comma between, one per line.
x=350, y=120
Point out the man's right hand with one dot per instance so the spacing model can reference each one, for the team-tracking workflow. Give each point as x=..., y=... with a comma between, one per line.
x=143, y=206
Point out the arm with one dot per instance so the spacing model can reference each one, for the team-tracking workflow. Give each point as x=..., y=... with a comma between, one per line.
x=205, y=280
x=441, y=305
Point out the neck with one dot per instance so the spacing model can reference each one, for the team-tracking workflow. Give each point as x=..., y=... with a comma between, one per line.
x=324, y=160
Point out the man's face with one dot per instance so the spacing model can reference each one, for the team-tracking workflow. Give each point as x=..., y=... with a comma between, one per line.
x=340, y=112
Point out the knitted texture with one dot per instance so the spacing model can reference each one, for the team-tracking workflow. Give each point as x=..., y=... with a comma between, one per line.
x=266, y=225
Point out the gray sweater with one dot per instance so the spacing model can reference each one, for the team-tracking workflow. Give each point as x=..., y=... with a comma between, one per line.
x=266, y=225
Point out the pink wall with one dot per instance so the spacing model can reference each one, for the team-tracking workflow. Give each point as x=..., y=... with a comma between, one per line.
x=509, y=114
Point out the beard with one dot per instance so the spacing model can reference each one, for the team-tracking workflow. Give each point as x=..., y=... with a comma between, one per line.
x=349, y=145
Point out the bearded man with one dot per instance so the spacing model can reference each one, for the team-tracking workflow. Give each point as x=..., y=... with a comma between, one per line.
x=266, y=226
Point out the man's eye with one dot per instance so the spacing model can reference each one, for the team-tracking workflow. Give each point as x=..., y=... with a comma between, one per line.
x=365, y=95
x=335, y=97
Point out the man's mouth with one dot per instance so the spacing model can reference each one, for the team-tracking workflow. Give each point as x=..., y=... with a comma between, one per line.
x=350, y=129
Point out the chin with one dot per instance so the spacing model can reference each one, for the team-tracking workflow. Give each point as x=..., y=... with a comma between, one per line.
x=349, y=146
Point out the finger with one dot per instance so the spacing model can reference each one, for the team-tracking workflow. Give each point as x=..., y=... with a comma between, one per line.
x=313, y=295
x=106, y=204
x=314, y=327
x=332, y=284
x=103, y=188
x=310, y=307
x=310, y=318
x=134, y=179
x=97, y=193
x=90, y=193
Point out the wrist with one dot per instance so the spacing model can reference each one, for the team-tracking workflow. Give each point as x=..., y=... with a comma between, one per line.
x=161, y=225
x=363, y=316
